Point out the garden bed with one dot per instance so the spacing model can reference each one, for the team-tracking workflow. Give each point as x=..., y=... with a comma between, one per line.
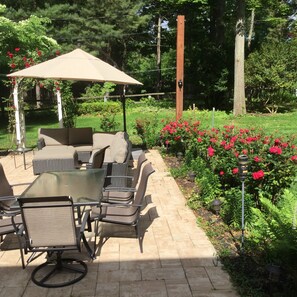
x=248, y=272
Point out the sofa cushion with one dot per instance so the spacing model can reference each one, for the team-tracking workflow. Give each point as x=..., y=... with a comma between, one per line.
x=119, y=148
x=100, y=140
x=54, y=136
x=80, y=136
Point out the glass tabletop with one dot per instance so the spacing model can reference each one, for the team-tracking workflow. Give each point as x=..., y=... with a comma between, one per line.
x=84, y=186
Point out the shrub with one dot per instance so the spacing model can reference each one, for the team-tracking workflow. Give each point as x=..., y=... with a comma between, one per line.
x=108, y=122
x=147, y=131
x=175, y=135
x=213, y=155
x=98, y=107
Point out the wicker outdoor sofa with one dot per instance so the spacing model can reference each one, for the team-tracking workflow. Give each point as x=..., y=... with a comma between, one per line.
x=62, y=149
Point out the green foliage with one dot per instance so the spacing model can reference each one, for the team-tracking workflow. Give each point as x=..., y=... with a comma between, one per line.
x=273, y=230
x=69, y=105
x=213, y=155
x=231, y=210
x=271, y=75
x=147, y=130
x=97, y=90
x=108, y=122
x=99, y=107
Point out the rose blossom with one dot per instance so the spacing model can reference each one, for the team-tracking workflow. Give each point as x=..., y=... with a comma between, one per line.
x=210, y=151
x=258, y=175
x=257, y=159
x=275, y=150
x=235, y=170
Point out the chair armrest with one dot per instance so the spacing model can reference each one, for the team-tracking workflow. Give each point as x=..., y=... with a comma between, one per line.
x=119, y=176
x=8, y=198
x=119, y=189
x=20, y=184
x=122, y=205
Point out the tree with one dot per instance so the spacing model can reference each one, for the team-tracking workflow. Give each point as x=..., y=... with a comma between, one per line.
x=239, y=106
x=22, y=45
x=271, y=77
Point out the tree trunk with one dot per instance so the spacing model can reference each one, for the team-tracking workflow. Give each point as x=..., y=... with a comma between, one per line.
x=38, y=96
x=251, y=28
x=239, y=106
x=159, y=56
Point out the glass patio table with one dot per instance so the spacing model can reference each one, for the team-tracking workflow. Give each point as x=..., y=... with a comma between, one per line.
x=84, y=186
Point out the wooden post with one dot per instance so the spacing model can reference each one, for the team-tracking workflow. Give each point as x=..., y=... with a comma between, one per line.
x=180, y=66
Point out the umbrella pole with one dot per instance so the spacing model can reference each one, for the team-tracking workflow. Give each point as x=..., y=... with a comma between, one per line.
x=124, y=109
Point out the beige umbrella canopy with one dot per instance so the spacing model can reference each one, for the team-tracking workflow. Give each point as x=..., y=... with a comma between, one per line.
x=76, y=65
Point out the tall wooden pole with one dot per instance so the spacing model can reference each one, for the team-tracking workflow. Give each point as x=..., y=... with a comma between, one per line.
x=180, y=66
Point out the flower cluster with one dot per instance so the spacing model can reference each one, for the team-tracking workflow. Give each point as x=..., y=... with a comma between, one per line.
x=176, y=134
x=271, y=159
x=20, y=59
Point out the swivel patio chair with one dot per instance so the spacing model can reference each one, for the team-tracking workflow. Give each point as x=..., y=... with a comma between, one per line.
x=124, y=214
x=49, y=226
x=124, y=194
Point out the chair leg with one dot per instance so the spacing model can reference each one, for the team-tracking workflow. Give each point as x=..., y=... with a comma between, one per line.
x=90, y=252
x=21, y=251
x=96, y=222
x=140, y=238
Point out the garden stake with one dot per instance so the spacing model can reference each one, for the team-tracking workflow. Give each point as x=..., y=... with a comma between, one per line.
x=242, y=170
x=242, y=215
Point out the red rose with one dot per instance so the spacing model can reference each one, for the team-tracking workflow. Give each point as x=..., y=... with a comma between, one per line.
x=257, y=159
x=235, y=170
x=275, y=150
x=258, y=175
x=210, y=151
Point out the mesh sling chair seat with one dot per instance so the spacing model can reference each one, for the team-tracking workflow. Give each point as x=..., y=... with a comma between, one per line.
x=124, y=194
x=124, y=214
x=49, y=225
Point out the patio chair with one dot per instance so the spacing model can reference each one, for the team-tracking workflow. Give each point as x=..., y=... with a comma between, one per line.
x=124, y=214
x=49, y=226
x=7, y=198
x=6, y=224
x=6, y=190
x=124, y=194
x=97, y=159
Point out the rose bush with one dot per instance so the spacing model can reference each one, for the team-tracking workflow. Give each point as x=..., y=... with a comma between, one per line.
x=175, y=135
x=271, y=166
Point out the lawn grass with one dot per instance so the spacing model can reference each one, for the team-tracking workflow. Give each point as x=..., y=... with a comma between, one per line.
x=279, y=124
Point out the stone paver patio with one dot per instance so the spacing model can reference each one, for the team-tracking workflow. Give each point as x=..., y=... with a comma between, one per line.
x=178, y=260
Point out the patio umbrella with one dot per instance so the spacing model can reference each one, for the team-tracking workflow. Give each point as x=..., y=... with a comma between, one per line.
x=77, y=65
